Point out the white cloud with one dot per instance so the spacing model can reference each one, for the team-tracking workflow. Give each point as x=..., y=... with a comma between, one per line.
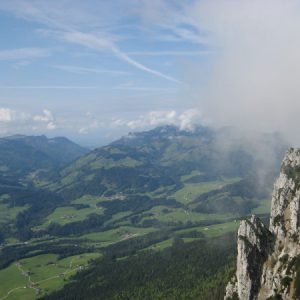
x=160, y=117
x=142, y=67
x=189, y=118
x=51, y=126
x=47, y=116
x=170, y=20
x=88, y=40
x=185, y=120
x=64, y=24
x=12, y=121
x=84, y=70
x=51, y=87
x=100, y=43
x=24, y=53
x=6, y=114
x=83, y=130
x=169, y=53
x=254, y=82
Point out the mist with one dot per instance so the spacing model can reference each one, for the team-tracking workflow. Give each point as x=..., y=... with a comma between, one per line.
x=254, y=79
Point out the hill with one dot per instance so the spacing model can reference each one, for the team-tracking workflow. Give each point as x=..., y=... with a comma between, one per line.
x=22, y=155
x=155, y=161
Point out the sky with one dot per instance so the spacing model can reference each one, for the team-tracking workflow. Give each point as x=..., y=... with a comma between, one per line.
x=95, y=70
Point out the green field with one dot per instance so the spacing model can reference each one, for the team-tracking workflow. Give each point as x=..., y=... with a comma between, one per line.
x=214, y=230
x=89, y=200
x=161, y=245
x=8, y=214
x=11, y=279
x=68, y=214
x=165, y=214
x=108, y=237
x=192, y=190
x=191, y=175
x=30, y=277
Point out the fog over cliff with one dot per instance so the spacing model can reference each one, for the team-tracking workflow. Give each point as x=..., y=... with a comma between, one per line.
x=254, y=78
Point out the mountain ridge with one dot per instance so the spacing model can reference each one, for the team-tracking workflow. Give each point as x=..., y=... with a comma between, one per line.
x=21, y=154
x=164, y=153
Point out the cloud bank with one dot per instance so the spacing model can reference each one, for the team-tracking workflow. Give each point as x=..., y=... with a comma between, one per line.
x=12, y=121
x=185, y=120
x=254, y=82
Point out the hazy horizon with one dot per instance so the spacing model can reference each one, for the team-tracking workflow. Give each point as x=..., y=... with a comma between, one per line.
x=97, y=70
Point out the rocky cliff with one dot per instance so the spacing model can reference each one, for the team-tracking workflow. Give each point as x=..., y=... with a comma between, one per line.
x=268, y=262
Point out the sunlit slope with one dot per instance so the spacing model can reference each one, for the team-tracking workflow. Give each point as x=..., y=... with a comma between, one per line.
x=153, y=161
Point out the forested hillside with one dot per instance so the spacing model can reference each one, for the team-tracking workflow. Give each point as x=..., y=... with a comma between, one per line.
x=22, y=155
x=196, y=270
x=141, y=203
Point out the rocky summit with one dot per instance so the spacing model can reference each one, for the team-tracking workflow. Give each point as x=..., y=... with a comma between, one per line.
x=268, y=261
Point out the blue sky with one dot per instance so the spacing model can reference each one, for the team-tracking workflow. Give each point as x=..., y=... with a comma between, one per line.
x=94, y=70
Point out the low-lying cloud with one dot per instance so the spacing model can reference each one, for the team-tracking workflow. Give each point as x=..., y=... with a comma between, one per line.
x=12, y=121
x=185, y=120
x=254, y=82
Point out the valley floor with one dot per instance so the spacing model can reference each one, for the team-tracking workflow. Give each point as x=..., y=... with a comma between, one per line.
x=40, y=266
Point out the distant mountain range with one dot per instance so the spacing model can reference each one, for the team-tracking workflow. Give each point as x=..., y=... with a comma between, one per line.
x=20, y=155
x=156, y=159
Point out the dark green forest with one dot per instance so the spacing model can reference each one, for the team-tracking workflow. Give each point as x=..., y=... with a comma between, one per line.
x=196, y=270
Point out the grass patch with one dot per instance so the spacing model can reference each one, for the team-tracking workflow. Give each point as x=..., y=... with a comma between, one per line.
x=8, y=214
x=35, y=276
x=219, y=229
x=115, y=235
x=214, y=230
x=191, y=175
x=161, y=245
x=166, y=214
x=11, y=278
x=89, y=200
x=67, y=214
x=191, y=191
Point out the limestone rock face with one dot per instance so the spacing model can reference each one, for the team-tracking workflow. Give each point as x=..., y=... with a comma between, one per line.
x=285, y=211
x=268, y=262
x=254, y=243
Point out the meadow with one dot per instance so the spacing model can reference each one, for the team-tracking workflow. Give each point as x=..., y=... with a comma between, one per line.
x=32, y=277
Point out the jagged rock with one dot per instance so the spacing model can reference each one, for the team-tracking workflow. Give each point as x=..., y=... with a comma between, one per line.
x=285, y=213
x=268, y=262
x=231, y=289
x=254, y=245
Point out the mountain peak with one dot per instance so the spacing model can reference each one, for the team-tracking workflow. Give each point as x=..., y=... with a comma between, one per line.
x=163, y=132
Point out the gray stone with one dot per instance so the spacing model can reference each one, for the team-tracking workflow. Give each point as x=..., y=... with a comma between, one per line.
x=264, y=255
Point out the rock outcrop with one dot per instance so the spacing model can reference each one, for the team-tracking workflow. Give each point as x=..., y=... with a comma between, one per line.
x=268, y=262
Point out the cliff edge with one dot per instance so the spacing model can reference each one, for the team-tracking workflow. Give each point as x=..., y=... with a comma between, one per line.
x=268, y=261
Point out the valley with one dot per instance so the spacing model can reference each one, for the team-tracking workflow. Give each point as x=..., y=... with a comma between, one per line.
x=140, y=196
